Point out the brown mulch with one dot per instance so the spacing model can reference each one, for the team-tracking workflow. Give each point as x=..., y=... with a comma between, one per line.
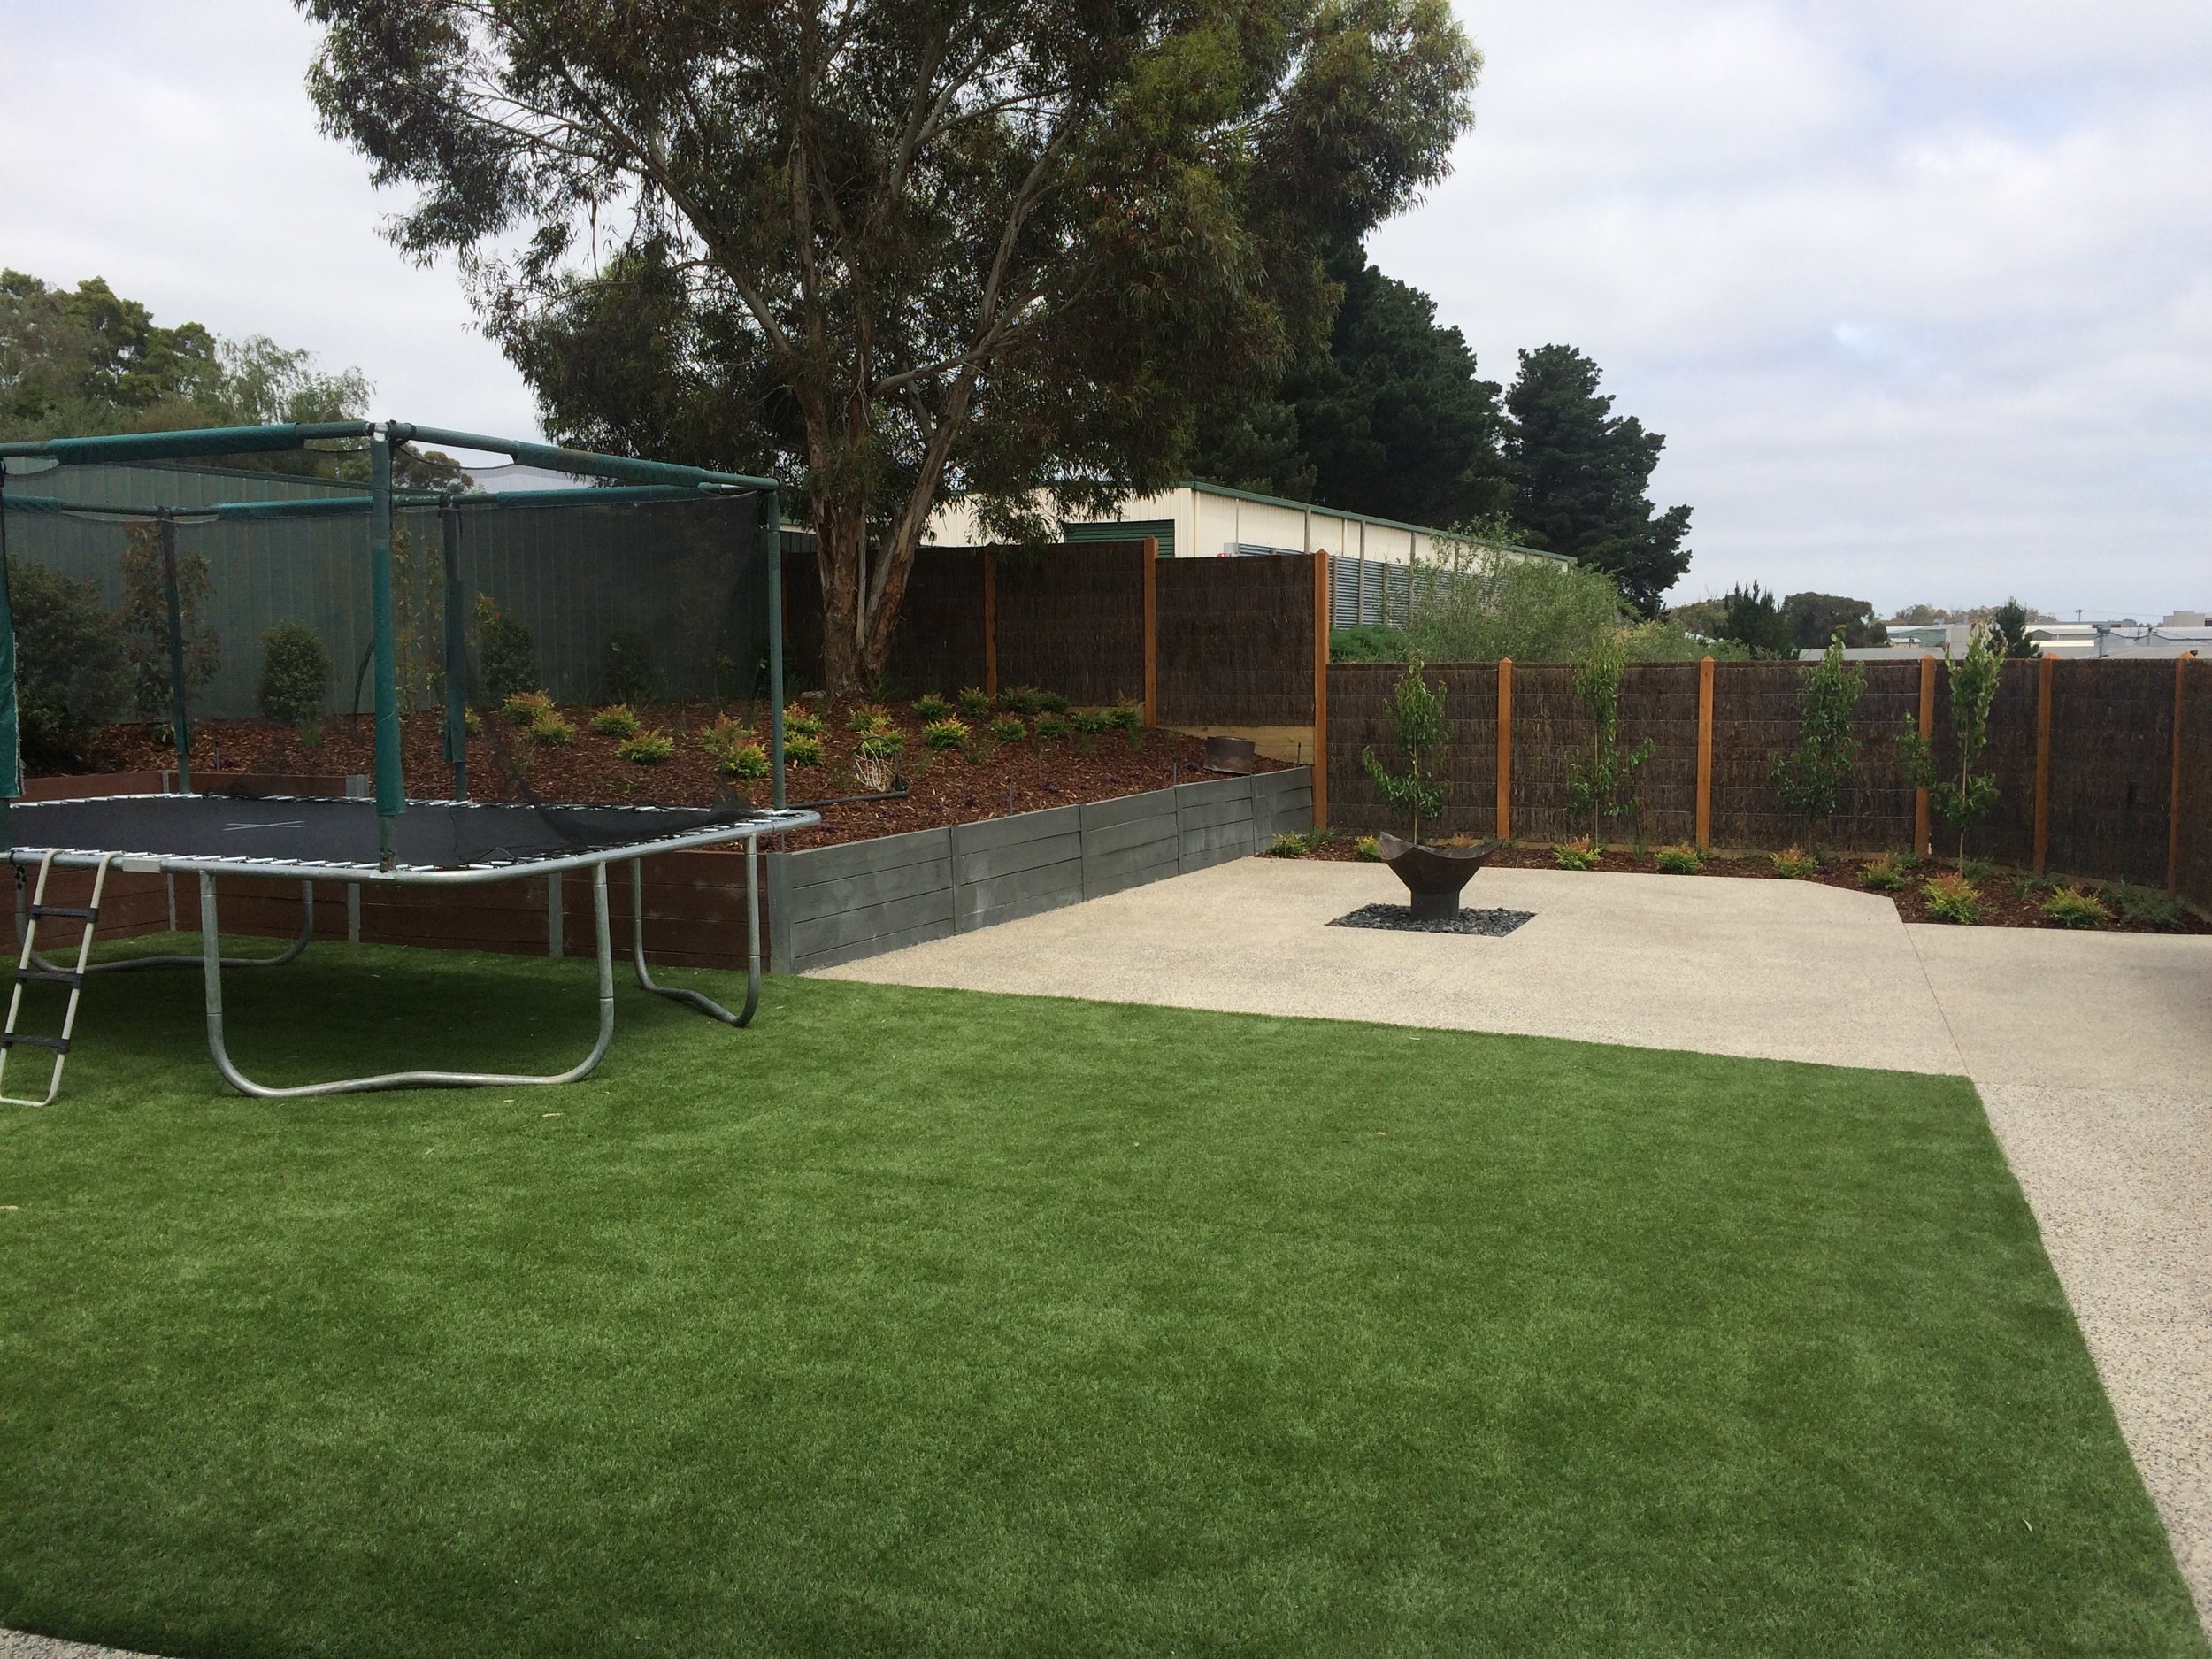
x=2009, y=898
x=988, y=779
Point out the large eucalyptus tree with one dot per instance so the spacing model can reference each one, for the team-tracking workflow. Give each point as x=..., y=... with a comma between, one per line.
x=905, y=246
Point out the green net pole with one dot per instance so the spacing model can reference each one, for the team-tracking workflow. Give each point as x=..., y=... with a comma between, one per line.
x=456, y=647
x=774, y=532
x=11, y=733
x=180, y=714
x=391, y=791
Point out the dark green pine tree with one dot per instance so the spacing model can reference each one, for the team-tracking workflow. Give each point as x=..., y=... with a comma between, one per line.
x=1580, y=473
x=1389, y=419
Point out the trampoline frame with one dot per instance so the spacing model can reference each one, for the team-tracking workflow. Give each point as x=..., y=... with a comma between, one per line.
x=211, y=962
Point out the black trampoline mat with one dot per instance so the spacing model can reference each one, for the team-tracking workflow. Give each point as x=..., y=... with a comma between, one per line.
x=446, y=835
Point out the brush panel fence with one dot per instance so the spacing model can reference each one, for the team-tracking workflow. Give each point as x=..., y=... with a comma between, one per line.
x=2109, y=749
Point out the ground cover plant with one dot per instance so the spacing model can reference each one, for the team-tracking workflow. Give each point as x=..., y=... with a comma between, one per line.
x=1030, y=1343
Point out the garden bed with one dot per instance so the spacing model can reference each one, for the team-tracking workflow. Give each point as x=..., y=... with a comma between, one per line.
x=2009, y=898
x=985, y=777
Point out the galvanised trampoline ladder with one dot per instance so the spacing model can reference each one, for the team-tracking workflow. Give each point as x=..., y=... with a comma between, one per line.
x=29, y=971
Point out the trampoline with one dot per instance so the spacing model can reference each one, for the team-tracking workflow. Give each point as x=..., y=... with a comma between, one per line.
x=388, y=839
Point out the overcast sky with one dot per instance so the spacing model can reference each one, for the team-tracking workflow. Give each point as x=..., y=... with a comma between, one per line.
x=1920, y=293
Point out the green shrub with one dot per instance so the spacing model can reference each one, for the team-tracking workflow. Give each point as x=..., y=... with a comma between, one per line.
x=747, y=760
x=1976, y=868
x=294, y=676
x=506, y=652
x=626, y=667
x=1289, y=846
x=1424, y=741
x=800, y=749
x=1952, y=898
x=725, y=739
x=1795, y=864
x=973, y=704
x=929, y=706
x=616, y=720
x=1811, y=779
x=522, y=708
x=1964, y=800
x=1050, y=702
x=1885, y=874
x=1021, y=700
x=145, y=621
x=1369, y=643
x=1682, y=860
x=801, y=721
x=1369, y=847
x=1006, y=729
x=1092, y=722
x=2147, y=908
x=71, y=675
x=2072, y=907
x=647, y=748
x=947, y=734
x=550, y=730
x=472, y=721
x=1051, y=725
x=866, y=718
x=884, y=745
x=1582, y=855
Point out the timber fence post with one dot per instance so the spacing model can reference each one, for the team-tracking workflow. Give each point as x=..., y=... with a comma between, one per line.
x=1320, y=690
x=1505, y=749
x=1705, y=752
x=2043, y=671
x=2173, y=803
x=1151, y=631
x=990, y=625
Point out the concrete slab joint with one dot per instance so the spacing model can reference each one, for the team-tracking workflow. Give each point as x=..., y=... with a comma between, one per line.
x=834, y=904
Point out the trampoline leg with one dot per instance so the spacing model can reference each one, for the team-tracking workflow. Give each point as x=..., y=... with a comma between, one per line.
x=699, y=1000
x=291, y=953
x=212, y=969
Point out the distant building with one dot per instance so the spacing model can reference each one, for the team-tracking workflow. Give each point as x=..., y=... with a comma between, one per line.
x=2180, y=635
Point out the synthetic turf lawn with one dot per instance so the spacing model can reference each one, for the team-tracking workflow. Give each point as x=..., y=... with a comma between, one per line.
x=916, y=1322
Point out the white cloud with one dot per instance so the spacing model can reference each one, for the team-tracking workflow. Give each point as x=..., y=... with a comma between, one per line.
x=1916, y=293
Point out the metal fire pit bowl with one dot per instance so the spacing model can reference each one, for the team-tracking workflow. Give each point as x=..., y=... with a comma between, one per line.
x=1433, y=875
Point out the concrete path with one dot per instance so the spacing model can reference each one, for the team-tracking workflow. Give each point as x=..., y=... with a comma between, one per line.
x=2092, y=1053
x=15, y=1645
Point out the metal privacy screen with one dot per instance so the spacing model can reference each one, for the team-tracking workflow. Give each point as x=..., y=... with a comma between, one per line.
x=619, y=588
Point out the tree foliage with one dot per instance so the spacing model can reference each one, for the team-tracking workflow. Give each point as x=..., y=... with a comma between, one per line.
x=913, y=246
x=1811, y=778
x=2010, y=620
x=71, y=675
x=1601, y=784
x=1964, y=798
x=1580, y=477
x=145, y=621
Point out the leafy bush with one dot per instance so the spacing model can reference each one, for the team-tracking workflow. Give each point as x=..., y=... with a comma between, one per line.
x=868, y=718
x=1369, y=847
x=885, y=745
x=472, y=721
x=1287, y=846
x=947, y=734
x=747, y=760
x=800, y=749
x=506, y=652
x=1811, y=780
x=1952, y=898
x=626, y=667
x=647, y=748
x=1582, y=855
x=1680, y=860
x=1424, y=741
x=1050, y=702
x=1051, y=725
x=929, y=706
x=71, y=676
x=1369, y=643
x=2147, y=908
x=1021, y=700
x=801, y=721
x=1125, y=716
x=1976, y=868
x=294, y=676
x=550, y=730
x=1885, y=874
x=1599, y=786
x=2072, y=907
x=616, y=720
x=973, y=704
x=1006, y=729
x=725, y=740
x=1795, y=864
x=523, y=708
x=1093, y=722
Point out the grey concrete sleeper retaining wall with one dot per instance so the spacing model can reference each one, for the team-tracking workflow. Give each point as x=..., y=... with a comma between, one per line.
x=833, y=905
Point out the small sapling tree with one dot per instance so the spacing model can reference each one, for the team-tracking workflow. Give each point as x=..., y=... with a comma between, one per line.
x=1811, y=780
x=1599, y=786
x=1965, y=797
x=1424, y=741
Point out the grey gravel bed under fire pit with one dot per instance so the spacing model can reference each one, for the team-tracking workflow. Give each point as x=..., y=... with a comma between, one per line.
x=1400, y=918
